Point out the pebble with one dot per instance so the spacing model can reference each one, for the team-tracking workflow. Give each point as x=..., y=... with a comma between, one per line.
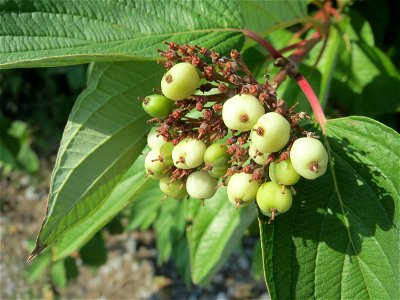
x=243, y=263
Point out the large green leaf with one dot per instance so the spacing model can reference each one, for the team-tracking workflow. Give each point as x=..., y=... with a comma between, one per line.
x=216, y=230
x=131, y=188
x=104, y=135
x=268, y=15
x=340, y=238
x=365, y=81
x=61, y=32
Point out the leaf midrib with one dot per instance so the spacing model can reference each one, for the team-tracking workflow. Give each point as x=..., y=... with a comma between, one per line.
x=77, y=129
x=345, y=219
x=133, y=144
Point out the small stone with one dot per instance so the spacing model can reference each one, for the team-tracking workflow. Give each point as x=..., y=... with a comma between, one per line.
x=221, y=296
x=243, y=263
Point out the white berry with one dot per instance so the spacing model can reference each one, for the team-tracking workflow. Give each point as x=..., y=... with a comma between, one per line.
x=271, y=133
x=241, y=112
x=189, y=153
x=201, y=185
x=242, y=189
x=309, y=157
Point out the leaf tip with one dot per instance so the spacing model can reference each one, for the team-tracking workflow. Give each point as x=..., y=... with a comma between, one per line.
x=38, y=248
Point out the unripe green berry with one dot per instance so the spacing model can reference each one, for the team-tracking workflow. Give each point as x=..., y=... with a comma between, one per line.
x=309, y=157
x=154, y=139
x=272, y=196
x=175, y=190
x=201, y=185
x=217, y=159
x=153, y=164
x=283, y=172
x=241, y=112
x=188, y=154
x=157, y=106
x=256, y=155
x=180, y=81
x=271, y=133
x=242, y=189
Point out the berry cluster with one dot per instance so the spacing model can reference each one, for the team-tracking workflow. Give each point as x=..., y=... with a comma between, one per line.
x=216, y=125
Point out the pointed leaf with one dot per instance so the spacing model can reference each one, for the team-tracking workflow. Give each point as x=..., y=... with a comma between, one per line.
x=268, y=15
x=131, y=188
x=216, y=231
x=169, y=231
x=360, y=70
x=54, y=32
x=340, y=238
x=104, y=135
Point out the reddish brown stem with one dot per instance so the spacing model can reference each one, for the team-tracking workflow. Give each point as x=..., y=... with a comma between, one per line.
x=313, y=100
x=262, y=42
x=292, y=47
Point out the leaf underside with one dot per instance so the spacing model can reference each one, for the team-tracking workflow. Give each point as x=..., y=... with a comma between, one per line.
x=104, y=135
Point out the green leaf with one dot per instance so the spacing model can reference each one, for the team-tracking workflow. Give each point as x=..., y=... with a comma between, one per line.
x=71, y=268
x=320, y=76
x=340, y=238
x=269, y=15
x=256, y=262
x=129, y=189
x=216, y=231
x=94, y=253
x=16, y=153
x=169, y=230
x=145, y=209
x=171, y=239
x=365, y=82
x=104, y=135
x=38, y=267
x=58, y=274
x=63, y=32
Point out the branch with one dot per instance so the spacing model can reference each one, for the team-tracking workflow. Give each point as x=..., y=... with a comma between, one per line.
x=264, y=43
x=313, y=100
x=289, y=66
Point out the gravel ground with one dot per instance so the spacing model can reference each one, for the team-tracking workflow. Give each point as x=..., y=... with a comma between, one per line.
x=130, y=272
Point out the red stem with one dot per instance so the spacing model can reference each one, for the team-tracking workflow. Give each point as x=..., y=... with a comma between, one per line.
x=262, y=42
x=297, y=56
x=313, y=100
x=292, y=47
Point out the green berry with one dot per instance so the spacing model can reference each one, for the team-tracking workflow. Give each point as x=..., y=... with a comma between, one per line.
x=180, y=81
x=188, y=154
x=175, y=190
x=153, y=163
x=283, y=172
x=154, y=139
x=256, y=155
x=242, y=189
x=309, y=157
x=201, y=185
x=271, y=133
x=272, y=196
x=241, y=112
x=217, y=159
x=157, y=106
